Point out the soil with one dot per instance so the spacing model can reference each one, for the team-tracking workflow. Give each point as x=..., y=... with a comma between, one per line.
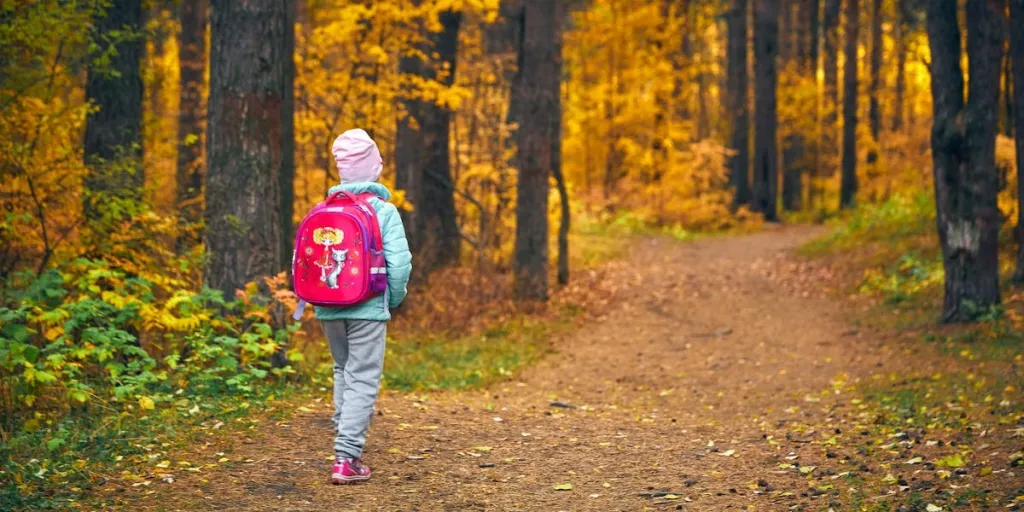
x=682, y=396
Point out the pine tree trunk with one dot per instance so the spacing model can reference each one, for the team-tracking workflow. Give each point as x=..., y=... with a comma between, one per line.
x=113, y=134
x=191, y=112
x=874, y=111
x=248, y=77
x=963, y=154
x=1017, y=55
x=766, y=47
x=537, y=86
x=848, y=187
x=737, y=86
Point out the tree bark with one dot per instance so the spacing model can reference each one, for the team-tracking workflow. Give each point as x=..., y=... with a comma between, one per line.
x=766, y=47
x=423, y=156
x=1017, y=56
x=903, y=27
x=248, y=77
x=1007, y=111
x=191, y=112
x=286, y=180
x=963, y=154
x=830, y=65
x=874, y=110
x=848, y=186
x=737, y=86
x=439, y=225
x=794, y=158
x=556, y=155
x=113, y=134
x=537, y=87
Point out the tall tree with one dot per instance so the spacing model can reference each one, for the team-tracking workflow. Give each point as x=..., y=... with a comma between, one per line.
x=192, y=109
x=737, y=101
x=795, y=159
x=902, y=36
x=766, y=48
x=286, y=178
x=848, y=186
x=422, y=150
x=1017, y=56
x=874, y=110
x=830, y=63
x=113, y=133
x=245, y=130
x=537, y=87
x=963, y=153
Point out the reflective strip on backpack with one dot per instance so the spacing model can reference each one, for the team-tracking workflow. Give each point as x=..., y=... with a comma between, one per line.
x=298, y=311
x=378, y=270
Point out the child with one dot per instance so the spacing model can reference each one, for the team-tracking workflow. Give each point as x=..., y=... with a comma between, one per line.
x=356, y=334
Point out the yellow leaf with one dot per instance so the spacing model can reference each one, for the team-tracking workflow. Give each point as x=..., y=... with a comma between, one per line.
x=146, y=403
x=562, y=487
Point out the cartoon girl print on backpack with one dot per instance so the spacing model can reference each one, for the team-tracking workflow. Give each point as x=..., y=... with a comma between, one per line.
x=333, y=260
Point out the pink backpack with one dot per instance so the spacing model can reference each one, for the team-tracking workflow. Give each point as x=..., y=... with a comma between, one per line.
x=339, y=254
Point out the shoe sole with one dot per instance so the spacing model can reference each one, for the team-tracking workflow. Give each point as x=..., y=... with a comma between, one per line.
x=343, y=480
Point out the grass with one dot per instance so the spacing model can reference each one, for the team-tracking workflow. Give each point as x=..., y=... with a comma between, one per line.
x=474, y=361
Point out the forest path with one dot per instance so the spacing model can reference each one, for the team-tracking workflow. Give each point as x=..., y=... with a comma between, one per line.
x=705, y=344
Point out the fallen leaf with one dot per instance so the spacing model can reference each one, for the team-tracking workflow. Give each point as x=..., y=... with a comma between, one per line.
x=915, y=460
x=562, y=487
x=728, y=453
x=482, y=448
x=303, y=408
x=952, y=461
x=933, y=508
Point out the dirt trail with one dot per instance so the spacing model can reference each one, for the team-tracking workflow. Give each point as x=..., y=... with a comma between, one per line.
x=704, y=347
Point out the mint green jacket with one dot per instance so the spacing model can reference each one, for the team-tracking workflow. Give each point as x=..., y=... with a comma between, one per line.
x=396, y=253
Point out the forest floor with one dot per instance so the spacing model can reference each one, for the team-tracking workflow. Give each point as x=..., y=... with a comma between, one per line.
x=723, y=376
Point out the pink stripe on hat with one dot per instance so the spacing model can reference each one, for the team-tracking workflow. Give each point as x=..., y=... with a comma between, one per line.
x=357, y=157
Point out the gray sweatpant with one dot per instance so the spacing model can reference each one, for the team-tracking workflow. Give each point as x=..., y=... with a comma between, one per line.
x=358, y=350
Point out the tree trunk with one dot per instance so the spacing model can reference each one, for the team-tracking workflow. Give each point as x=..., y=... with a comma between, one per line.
x=830, y=63
x=848, y=187
x=766, y=38
x=286, y=180
x=963, y=154
x=113, y=134
x=874, y=111
x=439, y=227
x=814, y=48
x=903, y=29
x=191, y=112
x=1007, y=116
x=248, y=77
x=1017, y=56
x=737, y=86
x=793, y=157
x=556, y=154
x=422, y=152
x=537, y=87
x=410, y=152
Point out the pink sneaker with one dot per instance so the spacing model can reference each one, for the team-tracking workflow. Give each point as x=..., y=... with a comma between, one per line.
x=347, y=471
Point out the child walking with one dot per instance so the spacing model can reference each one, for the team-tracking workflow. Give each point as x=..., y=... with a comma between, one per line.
x=357, y=334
